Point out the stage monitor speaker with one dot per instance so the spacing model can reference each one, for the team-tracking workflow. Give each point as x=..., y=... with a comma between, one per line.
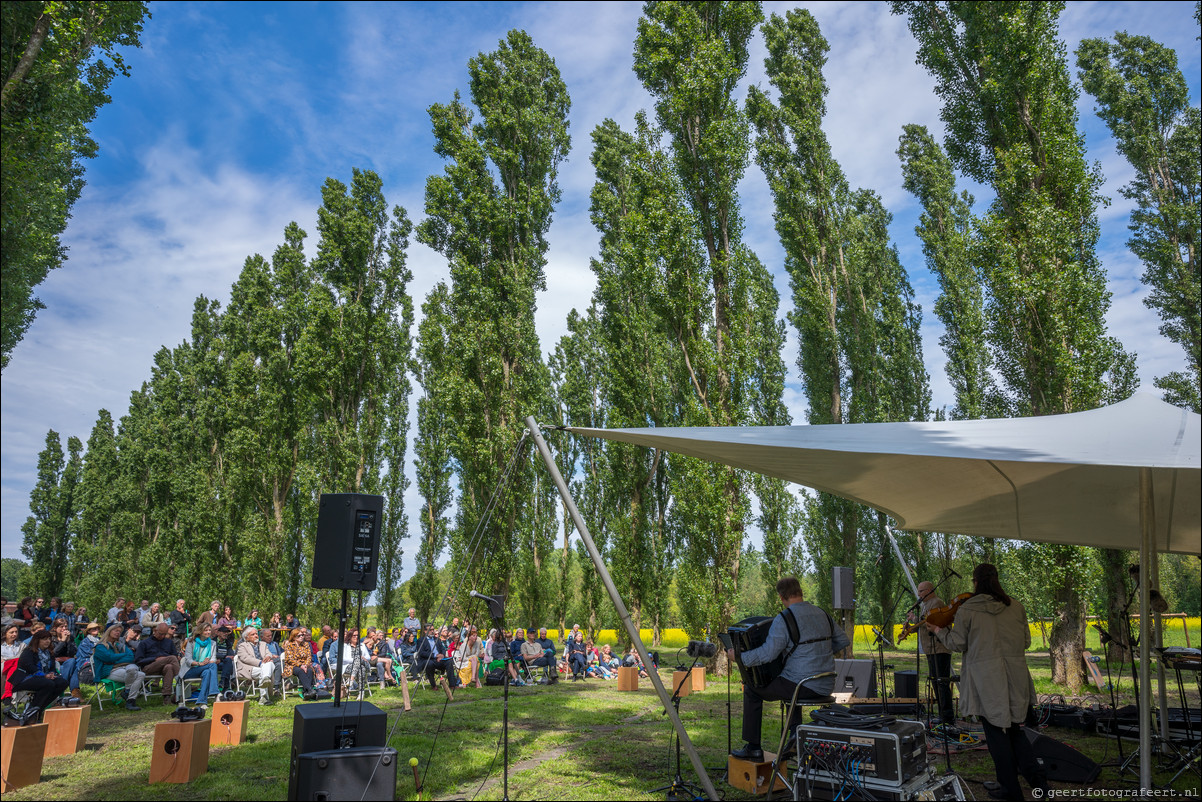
x=905, y=684
x=856, y=677
x=843, y=584
x=365, y=772
x=1061, y=762
x=321, y=727
x=347, y=551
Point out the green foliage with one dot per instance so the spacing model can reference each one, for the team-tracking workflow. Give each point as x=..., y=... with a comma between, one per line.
x=57, y=60
x=54, y=504
x=488, y=214
x=1144, y=100
x=11, y=573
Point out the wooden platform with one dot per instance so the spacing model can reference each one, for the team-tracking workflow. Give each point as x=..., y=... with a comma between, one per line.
x=68, y=729
x=752, y=777
x=21, y=750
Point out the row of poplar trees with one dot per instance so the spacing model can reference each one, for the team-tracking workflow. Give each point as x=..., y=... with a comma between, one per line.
x=302, y=384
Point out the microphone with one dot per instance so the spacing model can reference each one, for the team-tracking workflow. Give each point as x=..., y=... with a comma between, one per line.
x=702, y=649
x=481, y=596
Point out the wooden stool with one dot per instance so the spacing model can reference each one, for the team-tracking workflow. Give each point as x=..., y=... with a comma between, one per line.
x=752, y=777
x=229, y=723
x=684, y=681
x=181, y=751
x=698, y=678
x=628, y=678
x=22, y=749
x=68, y=729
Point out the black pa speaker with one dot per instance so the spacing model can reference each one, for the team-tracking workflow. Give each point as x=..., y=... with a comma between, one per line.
x=905, y=684
x=319, y=727
x=348, y=541
x=856, y=677
x=365, y=772
x=1061, y=762
x=843, y=588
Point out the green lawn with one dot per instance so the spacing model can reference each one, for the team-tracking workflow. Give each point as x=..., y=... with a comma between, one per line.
x=569, y=741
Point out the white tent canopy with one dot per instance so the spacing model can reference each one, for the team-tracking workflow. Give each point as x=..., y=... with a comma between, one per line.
x=1056, y=479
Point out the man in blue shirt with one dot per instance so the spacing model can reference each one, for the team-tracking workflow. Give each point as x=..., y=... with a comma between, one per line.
x=813, y=652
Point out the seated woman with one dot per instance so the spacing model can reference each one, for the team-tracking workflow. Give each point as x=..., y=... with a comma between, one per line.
x=37, y=672
x=62, y=645
x=255, y=620
x=83, y=654
x=382, y=656
x=298, y=662
x=406, y=649
x=467, y=656
x=577, y=656
x=607, y=657
x=227, y=619
x=114, y=660
x=200, y=661
x=355, y=659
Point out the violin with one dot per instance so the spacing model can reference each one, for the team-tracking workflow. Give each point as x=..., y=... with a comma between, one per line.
x=939, y=617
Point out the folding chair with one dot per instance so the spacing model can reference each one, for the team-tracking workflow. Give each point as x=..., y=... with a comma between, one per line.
x=102, y=686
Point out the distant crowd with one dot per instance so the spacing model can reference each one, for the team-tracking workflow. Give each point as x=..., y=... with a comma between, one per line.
x=54, y=651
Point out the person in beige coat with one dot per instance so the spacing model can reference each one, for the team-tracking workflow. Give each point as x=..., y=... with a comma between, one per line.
x=991, y=629
x=254, y=661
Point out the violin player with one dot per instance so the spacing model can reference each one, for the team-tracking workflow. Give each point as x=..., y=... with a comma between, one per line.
x=991, y=629
x=939, y=657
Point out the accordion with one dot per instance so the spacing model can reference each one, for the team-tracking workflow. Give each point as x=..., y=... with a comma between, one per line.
x=748, y=634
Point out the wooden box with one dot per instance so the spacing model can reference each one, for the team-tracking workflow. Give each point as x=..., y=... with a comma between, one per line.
x=752, y=777
x=68, y=729
x=628, y=678
x=682, y=680
x=698, y=678
x=181, y=751
x=21, y=749
x=229, y=723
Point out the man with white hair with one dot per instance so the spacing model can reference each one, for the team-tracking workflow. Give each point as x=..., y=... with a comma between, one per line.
x=939, y=657
x=255, y=662
x=412, y=623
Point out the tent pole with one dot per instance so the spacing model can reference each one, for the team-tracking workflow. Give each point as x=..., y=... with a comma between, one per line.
x=1147, y=522
x=620, y=606
x=906, y=568
x=1158, y=641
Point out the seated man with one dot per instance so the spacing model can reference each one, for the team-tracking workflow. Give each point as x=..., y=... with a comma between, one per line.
x=382, y=655
x=431, y=657
x=255, y=662
x=223, y=639
x=809, y=647
x=156, y=656
x=534, y=654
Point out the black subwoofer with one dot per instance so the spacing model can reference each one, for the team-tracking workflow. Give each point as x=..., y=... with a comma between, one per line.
x=365, y=772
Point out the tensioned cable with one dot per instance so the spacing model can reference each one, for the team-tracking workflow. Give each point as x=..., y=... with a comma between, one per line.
x=473, y=547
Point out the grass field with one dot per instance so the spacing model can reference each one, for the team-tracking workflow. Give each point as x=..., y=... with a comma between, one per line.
x=580, y=740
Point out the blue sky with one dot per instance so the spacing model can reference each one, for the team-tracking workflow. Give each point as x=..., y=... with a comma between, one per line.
x=236, y=112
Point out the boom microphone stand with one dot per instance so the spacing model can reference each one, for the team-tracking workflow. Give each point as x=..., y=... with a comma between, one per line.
x=496, y=610
x=678, y=788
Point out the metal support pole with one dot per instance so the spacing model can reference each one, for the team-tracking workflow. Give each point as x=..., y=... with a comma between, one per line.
x=620, y=606
x=1158, y=641
x=1147, y=523
x=906, y=568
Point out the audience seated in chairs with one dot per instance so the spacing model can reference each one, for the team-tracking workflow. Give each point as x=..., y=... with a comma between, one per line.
x=200, y=661
x=255, y=662
x=156, y=657
x=37, y=672
x=382, y=656
x=534, y=655
x=114, y=660
x=298, y=662
x=431, y=658
x=151, y=619
x=577, y=656
x=468, y=656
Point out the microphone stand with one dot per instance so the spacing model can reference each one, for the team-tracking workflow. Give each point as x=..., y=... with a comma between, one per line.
x=678, y=788
x=496, y=610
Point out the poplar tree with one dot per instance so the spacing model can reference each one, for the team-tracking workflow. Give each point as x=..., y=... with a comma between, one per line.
x=859, y=354
x=1144, y=100
x=54, y=504
x=691, y=57
x=1010, y=111
x=488, y=214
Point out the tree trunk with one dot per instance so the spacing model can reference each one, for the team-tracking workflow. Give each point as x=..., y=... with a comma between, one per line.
x=1067, y=638
x=1114, y=578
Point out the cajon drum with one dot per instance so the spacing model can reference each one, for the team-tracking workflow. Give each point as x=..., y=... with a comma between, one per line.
x=228, y=727
x=68, y=729
x=22, y=749
x=682, y=680
x=752, y=777
x=181, y=751
x=698, y=678
x=628, y=678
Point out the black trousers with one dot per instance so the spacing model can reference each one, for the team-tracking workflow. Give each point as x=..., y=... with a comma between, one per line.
x=1012, y=753
x=940, y=665
x=753, y=705
x=304, y=675
x=45, y=689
